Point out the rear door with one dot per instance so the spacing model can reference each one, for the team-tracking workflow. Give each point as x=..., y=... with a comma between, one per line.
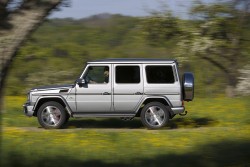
x=128, y=87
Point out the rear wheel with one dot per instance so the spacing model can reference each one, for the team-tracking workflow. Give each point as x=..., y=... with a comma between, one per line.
x=154, y=115
x=52, y=115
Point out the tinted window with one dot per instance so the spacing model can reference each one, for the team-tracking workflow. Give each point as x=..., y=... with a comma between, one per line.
x=127, y=74
x=160, y=74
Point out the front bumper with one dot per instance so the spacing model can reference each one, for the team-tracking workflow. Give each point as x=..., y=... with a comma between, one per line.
x=28, y=109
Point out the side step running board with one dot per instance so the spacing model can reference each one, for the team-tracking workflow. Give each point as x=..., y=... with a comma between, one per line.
x=102, y=115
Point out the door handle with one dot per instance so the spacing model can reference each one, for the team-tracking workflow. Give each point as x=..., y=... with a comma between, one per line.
x=106, y=93
x=138, y=93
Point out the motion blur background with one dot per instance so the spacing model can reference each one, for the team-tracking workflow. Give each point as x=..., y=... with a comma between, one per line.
x=209, y=38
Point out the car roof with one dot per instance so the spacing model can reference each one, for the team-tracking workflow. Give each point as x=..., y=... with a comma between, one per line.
x=134, y=61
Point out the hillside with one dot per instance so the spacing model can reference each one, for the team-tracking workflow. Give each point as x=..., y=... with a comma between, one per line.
x=57, y=51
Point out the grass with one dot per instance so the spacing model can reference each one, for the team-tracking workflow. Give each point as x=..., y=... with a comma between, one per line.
x=216, y=132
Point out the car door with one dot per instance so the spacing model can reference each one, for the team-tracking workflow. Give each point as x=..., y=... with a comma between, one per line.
x=95, y=94
x=128, y=87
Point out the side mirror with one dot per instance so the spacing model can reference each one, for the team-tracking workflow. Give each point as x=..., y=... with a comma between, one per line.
x=80, y=82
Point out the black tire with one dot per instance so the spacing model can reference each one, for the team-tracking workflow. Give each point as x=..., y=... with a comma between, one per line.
x=52, y=115
x=154, y=115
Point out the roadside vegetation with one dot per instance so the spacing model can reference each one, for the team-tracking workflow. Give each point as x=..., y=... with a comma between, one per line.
x=58, y=58
x=216, y=132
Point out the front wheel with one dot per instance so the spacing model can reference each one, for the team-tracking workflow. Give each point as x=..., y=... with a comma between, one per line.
x=154, y=115
x=51, y=115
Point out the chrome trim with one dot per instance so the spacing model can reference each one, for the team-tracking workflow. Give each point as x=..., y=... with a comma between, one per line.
x=174, y=93
x=90, y=93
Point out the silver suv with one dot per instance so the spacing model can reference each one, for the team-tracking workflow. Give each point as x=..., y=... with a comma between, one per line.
x=126, y=88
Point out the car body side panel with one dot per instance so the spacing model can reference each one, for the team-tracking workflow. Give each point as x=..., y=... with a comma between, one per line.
x=94, y=97
x=171, y=91
x=127, y=96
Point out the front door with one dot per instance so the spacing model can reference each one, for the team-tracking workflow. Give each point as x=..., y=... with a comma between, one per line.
x=95, y=94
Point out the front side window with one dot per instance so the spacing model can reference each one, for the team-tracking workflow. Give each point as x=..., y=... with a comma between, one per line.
x=97, y=74
x=160, y=74
x=127, y=74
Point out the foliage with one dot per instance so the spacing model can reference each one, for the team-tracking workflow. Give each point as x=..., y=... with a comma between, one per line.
x=57, y=51
x=160, y=27
x=202, y=138
x=60, y=56
x=18, y=18
x=218, y=34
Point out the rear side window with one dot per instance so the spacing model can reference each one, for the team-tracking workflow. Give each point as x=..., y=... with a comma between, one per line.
x=127, y=74
x=160, y=74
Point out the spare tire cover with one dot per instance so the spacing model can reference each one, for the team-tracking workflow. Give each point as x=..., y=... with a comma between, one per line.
x=188, y=86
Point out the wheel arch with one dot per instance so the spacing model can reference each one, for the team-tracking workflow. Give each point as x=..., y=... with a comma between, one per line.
x=43, y=99
x=149, y=99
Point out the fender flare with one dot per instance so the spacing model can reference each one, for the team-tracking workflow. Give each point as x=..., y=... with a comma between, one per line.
x=154, y=97
x=67, y=107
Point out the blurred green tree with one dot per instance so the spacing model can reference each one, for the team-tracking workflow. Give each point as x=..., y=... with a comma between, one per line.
x=17, y=20
x=216, y=33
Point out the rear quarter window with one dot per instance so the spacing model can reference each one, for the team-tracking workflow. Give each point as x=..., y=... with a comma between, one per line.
x=160, y=74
